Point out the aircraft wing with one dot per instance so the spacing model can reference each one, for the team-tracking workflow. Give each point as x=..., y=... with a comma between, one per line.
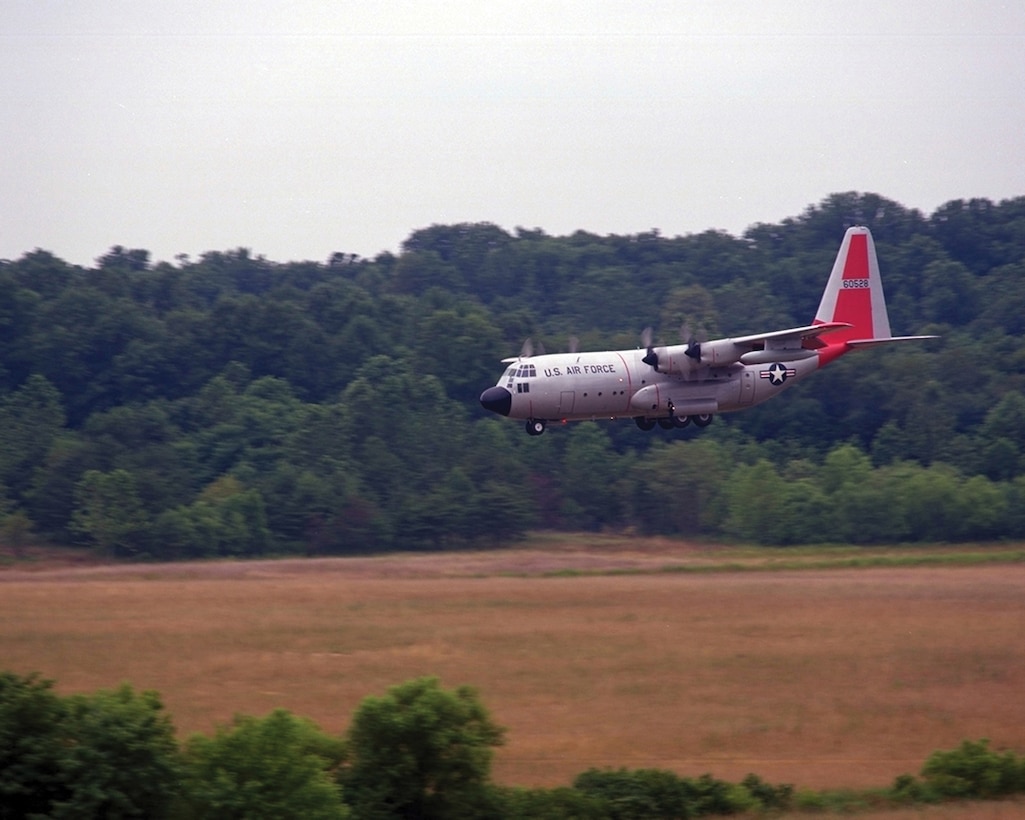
x=791, y=334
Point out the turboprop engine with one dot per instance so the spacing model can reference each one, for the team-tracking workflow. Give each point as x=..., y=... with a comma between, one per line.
x=685, y=358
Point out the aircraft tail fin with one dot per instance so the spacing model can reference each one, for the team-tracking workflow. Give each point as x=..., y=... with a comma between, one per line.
x=854, y=292
x=854, y=295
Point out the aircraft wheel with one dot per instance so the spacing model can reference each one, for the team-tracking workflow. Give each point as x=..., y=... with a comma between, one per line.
x=645, y=423
x=666, y=423
x=681, y=421
x=535, y=427
x=703, y=420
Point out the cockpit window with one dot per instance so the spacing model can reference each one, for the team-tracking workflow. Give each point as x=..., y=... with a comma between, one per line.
x=526, y=371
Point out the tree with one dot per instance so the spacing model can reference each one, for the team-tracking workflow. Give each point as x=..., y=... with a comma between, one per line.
x=15, y=531
x=226, y=519
x=279, y=766
x=755, y=511
x=110, y=754
x=31, y=715
x=30, y=420
x=421, y=752
x=120, y=756
x=679, y=488
x=591, y=472
x=108, y=511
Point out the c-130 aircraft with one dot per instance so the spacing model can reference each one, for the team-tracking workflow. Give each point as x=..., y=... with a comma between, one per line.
x=674, y=385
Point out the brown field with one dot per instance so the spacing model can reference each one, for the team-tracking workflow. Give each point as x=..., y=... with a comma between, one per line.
x=822, y=678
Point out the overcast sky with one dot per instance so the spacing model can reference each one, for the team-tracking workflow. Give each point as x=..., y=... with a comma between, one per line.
x=301, y=128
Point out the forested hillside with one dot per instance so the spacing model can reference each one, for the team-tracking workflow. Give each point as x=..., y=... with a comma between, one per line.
x=233, y=405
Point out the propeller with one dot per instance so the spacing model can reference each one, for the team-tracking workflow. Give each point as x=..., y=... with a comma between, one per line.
x=528, y=348
x=693, y=350
x=574, y=344
x=651, y=357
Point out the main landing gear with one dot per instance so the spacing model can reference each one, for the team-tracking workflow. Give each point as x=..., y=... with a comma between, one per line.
x=671, y=422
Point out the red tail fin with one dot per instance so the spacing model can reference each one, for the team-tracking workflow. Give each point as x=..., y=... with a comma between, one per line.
x=854, y=293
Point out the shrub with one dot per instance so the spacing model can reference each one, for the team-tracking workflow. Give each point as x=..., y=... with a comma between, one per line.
x=421, y=751
x=974, y=770
x=637, y=794
x=562, y=803
x=111, y=754
x=31, y=716
x=654, y=793
x=279, y=766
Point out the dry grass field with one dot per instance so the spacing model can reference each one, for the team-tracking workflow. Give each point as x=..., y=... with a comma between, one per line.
x=588, y=651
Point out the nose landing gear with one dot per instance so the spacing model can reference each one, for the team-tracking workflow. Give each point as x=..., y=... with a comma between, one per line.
x=535, y=427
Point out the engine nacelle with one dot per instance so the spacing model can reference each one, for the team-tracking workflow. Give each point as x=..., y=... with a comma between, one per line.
x=719, y=352
x=681, y=359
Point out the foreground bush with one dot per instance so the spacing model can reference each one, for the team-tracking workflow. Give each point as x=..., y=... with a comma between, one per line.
x=274, y=767
x=111, y=754
x=420, y=751
x=647, y=793
x=971, y=771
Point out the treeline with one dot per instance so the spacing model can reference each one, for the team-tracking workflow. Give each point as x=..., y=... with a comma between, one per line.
x=419, y=751
x=231, y=405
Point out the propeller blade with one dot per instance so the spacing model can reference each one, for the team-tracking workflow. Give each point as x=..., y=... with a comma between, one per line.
x=574, y=344
x=528, y=348
x=651, y=358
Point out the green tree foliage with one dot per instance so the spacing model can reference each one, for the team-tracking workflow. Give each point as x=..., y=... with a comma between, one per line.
x=560, y=803
x=279, y=766
x=639, y=794
x=421, y=751
x=418, y=752
x=31, y=746
x=110, y=754
x=31, y=418
x=226, y=520
x=972, y=771
x=975, y=770
x=109, y=513
x=342, y=396
x=120, y=756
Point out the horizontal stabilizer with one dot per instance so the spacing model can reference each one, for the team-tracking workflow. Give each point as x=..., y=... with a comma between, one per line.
x=887, y=340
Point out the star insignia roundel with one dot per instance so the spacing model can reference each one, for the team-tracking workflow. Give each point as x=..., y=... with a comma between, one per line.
x=777, y=373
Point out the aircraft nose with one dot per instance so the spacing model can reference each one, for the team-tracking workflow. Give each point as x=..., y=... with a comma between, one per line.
x=497, y=400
